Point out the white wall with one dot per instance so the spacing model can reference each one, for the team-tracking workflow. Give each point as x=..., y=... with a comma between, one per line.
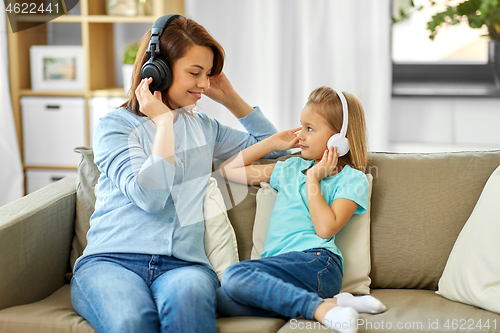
x=419, y=124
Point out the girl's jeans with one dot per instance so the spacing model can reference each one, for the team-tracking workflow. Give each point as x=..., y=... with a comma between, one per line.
x=144, y=293
x=288, y=285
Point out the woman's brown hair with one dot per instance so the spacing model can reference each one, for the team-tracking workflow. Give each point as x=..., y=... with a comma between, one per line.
x=327, y=103
x=179, y=36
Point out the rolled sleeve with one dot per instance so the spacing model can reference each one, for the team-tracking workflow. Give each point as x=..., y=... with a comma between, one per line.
x=257, y=125
x=145, y=180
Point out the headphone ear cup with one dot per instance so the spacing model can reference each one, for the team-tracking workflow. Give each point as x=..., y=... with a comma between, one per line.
x=166, y=73
x=340, y=142
x=151, y=70
x=160, y=71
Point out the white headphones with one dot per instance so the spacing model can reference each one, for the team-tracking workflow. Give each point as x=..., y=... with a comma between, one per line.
x=339, y=140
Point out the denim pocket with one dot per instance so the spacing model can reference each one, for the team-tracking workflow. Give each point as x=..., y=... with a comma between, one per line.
x=316, y=258
x=329, y=279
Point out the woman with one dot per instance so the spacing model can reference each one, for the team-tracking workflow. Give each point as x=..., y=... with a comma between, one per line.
x=144, y=268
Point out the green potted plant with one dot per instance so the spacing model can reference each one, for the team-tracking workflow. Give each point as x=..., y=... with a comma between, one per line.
x=477, y=13
x=128, y=60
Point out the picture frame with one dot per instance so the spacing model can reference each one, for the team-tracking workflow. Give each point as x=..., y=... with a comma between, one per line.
x=56, y=67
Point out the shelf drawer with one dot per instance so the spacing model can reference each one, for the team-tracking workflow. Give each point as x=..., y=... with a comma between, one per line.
x=36, y=179
x=52, y=128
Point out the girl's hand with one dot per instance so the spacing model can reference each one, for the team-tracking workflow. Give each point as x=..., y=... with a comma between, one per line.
x=286, y=139
x=151, y=106
x=220, y=89
x=326, y=166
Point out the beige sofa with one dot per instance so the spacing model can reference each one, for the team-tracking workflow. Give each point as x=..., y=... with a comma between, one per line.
x=419, y=202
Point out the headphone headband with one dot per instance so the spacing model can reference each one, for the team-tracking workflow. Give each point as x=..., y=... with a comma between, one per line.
x=339, y=140
x=156, y=31
x=343, y=100
x=157, y=67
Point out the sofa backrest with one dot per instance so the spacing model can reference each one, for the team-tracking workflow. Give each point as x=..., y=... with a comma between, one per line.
x=420, y=203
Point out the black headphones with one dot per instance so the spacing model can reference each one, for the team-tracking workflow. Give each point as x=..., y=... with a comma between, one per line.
x=157, y=67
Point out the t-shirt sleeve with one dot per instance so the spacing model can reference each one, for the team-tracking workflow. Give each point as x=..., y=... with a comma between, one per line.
x=282, y=171
x=276, y=175
x=354, y=186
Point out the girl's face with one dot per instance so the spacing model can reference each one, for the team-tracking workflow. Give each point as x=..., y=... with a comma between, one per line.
x=190, y=76
x=314, y=134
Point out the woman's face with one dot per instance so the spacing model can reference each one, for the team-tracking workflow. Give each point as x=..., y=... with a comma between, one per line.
x=190, y=77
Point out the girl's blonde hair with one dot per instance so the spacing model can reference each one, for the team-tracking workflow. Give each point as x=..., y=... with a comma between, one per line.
x=327, y=103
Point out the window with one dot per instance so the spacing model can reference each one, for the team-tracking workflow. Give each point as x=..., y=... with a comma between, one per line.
x=454, y=63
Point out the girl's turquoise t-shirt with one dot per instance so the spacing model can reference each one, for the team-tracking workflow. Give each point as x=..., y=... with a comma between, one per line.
x=290, y=226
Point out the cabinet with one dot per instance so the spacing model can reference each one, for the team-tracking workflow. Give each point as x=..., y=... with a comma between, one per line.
x=95, y=32
x=52, y=128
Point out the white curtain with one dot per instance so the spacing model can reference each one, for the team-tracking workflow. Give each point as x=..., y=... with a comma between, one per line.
x=11, y=171
x=278, y=51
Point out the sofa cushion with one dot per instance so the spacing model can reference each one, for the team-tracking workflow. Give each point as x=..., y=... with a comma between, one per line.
x=353, y=240
x=220, y=241
x=55, y=314
x=472, y=273
x=264, y=200
x=249, y=325
x=88, y=174
x=413, y=310
x=420, y=203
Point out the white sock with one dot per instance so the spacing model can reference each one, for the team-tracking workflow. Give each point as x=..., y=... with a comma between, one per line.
x=362, y=304
x=342, y=319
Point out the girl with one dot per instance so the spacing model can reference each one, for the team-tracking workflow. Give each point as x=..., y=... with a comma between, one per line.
x=301, y=267
x=144, y=268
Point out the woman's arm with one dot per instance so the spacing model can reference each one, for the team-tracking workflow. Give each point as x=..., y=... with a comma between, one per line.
x=162, y=116
x=327, y=220
x=146, y=180
x=222, y=92
x=228, y=140
x=239, y=168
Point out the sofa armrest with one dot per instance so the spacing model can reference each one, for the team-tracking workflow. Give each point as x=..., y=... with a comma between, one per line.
x=35, y=242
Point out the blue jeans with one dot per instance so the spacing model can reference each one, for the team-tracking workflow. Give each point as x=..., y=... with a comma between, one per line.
x=144, y=293
x=287, y=285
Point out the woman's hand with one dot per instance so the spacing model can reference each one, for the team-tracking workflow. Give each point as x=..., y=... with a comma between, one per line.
x=326, y=166
x=220, y=89
x=286, y=139
x=151, y=106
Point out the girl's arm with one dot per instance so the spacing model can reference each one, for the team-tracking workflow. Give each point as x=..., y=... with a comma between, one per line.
x=327, y=220
x=239, y=168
